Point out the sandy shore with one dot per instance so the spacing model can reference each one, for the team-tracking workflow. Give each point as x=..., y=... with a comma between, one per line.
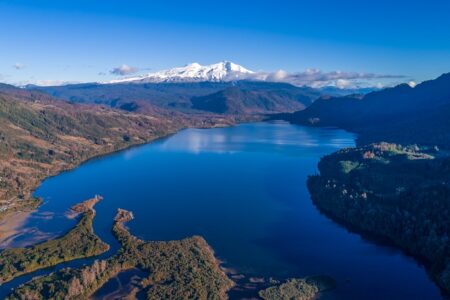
x=12, y=226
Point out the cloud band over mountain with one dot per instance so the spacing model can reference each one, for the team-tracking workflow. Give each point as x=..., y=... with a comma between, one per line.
x=317, y=78
x=228, y=71
x=124, y=70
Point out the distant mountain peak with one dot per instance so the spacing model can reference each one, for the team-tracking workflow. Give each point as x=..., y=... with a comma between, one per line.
x=194, y=72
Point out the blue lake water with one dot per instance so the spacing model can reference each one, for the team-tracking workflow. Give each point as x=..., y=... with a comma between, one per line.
x=243, y=189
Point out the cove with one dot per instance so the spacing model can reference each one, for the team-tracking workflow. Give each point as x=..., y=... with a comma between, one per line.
x=243, y=189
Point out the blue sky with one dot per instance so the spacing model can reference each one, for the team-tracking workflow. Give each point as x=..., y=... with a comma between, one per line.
x=84, y=40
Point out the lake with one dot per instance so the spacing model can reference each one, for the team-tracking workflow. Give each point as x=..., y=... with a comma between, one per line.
x=243, y=189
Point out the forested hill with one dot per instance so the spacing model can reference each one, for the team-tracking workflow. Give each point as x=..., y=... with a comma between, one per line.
x=400, y=194
x=40, y=136
x=394, y=192
x=234, y=100
x=401, y=114
x=238, y=97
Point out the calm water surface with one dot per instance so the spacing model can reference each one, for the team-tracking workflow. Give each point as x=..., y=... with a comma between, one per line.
x=244, y=189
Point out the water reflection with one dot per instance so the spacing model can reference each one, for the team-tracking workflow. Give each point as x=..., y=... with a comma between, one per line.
x=243, y=188
x=242, y=139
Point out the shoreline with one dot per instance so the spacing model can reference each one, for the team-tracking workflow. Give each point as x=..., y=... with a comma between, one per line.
x=10, y=227
x=12, y=222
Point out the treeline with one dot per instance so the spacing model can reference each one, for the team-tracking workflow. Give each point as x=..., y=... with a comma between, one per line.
x=79, y=242
x=400, y=114
x=399, y=193
x=41, y=136
x=299, y=289
x=184, y=269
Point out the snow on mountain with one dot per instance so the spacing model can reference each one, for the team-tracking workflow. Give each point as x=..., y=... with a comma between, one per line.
x=222, y=71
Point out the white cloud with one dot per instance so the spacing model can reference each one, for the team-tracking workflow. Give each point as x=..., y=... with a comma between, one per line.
x=124, y=70
x=19, y=66
x=316, y=78
x=412, y=84
x=343, y=83
x=279, y=75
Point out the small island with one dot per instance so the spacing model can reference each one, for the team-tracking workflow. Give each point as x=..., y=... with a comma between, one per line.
x=300, y=289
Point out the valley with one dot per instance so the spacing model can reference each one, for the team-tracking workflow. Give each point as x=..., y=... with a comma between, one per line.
x=50, y=126
x=187, y=97
x=272, y=228
x=42, y=136
x=184, y=150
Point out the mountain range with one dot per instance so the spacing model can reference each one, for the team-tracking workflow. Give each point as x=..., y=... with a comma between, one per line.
x=222, y=71
x=263, y=97
x=402, y=114
x=393, y=192
x=222, y=88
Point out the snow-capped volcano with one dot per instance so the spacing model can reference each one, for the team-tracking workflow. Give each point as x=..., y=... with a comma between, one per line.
x=222, y=71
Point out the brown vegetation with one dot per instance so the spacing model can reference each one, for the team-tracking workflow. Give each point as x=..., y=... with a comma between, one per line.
x=80, y=242
x=184, y=269
x=298, y=289
x=41, y=136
